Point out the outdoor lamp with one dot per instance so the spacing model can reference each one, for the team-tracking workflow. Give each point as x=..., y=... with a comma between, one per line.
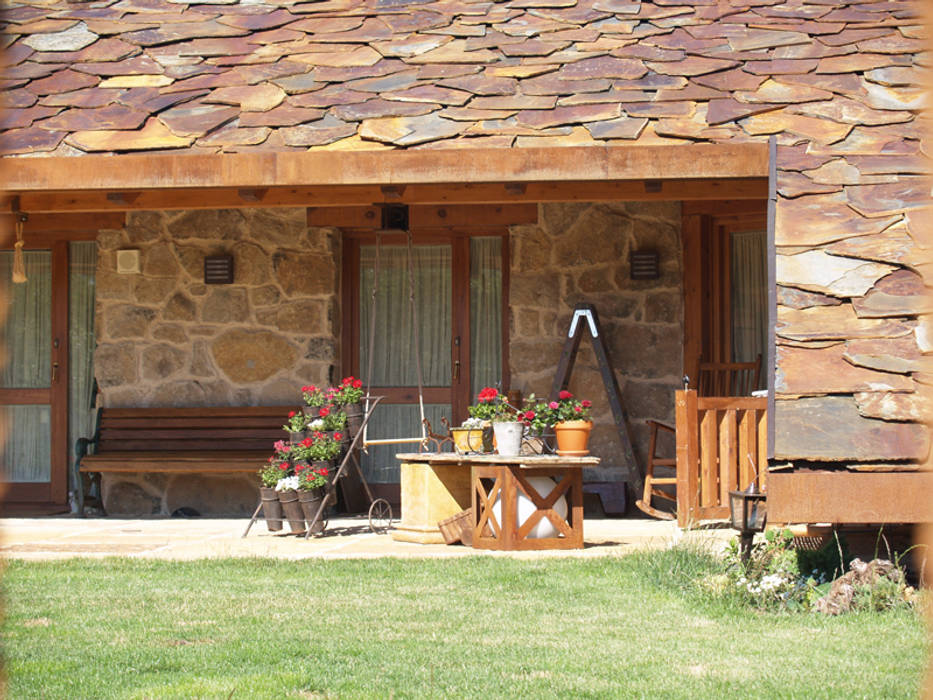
x=748, y=512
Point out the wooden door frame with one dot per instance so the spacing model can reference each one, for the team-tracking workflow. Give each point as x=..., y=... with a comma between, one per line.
x=706, y=232
x=459, y=239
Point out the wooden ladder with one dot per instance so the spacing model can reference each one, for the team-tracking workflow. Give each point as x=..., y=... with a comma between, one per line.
x=585, y=318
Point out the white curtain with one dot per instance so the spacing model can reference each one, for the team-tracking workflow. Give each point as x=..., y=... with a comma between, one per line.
x=749, y=298
x=27, y=340
x=82, y=265
x=485, y=312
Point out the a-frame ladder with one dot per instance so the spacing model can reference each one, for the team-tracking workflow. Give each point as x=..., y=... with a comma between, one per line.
x=585, y=319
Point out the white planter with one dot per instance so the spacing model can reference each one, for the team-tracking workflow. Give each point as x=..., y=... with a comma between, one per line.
x=508, y=438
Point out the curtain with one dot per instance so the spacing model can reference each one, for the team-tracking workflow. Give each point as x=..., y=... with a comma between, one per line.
x=82, y=265
x=27, y=339
x=749, y=298
x=394, y=363
x=485, y=312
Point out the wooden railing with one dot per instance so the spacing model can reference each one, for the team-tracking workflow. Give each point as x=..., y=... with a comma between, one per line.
x=722, y=444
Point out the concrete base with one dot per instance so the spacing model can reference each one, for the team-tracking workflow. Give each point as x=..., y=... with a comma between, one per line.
x=430, y=494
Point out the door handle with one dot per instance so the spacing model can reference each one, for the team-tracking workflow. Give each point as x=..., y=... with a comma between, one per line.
x=457, y=371
x=54, y=372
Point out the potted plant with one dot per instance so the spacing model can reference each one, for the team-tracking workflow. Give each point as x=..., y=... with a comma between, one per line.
x=295, y=426
x=331, y=419
x=473, y=435
x=269, y=476
x=319, y=448
x=572, y=424
x=287, y=488
x=349, y=395
x=539, y=419
x=311, y=482
x=506, y=425
x=314, y=398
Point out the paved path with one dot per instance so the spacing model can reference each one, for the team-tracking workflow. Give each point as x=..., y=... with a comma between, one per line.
x=194, y=538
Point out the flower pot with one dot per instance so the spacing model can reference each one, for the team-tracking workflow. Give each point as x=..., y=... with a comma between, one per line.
x=508, y=438
x=296, y=437
x=354, y=413
x=468, y=440
x=572, y=437
x=292, y=509
x=271, y=508
x=310, y=504
x=311, y=411
x=542, y=444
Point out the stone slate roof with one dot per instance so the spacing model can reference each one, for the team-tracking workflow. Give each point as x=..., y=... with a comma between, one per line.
x=228, y=76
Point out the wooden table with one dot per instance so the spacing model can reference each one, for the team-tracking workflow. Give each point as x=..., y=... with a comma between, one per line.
x=438, y=486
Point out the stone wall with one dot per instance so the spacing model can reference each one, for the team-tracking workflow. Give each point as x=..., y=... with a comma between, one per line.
x=580, y=253
x=167, y=339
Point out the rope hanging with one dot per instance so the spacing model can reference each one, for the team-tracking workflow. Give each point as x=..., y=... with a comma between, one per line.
x=19, y=267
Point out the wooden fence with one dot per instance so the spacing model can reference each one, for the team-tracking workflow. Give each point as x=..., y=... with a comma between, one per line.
x=722, y=444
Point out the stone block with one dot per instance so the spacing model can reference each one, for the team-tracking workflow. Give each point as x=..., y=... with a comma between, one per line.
x=527, y=323
x=252, y=356
x=201, y=365
x=115, y=364
x=159, y=261
x=835, y=323
x=161, y=362
x=191, y=260
x=264, y=296
x=208, y=224
x=557, y=219
x=534, y=355
x=534, y=289
x=816, y=271
x=283, y=392
x=144, y=226
x=277, y=228
x=594, y=280
x=825, y=371
x=830, y=428
x=171, y=333
x=799, y=299
x=123, y=497
x=307, y=317
x=111, y=239
x=153, y=290
x=893, y=406
x=124, y=321
x=645, y=352
x=324, y=349
x=179, y=308
x=593, y=238
x=110, y=285
x=305, y=275
x=532, y=249
x=888, y=355
x=225, y=304
x=213, y=494
x=663, y=307
x=899, y=294
x=251, y=265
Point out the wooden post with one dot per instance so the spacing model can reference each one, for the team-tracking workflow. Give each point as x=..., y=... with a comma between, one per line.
x=688, y=462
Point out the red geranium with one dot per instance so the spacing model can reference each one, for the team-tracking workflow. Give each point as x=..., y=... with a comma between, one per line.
x=565, y=395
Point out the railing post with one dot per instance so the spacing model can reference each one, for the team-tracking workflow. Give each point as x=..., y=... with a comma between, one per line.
x=688, y=463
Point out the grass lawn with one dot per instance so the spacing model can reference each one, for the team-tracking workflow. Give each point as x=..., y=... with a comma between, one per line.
x=471, y=627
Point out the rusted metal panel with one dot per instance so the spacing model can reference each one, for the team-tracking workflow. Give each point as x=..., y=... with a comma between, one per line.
x=845, y=497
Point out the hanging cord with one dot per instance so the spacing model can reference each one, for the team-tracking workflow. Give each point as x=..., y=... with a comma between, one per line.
x=372, y=337
x=19, y=267
x=417, y=333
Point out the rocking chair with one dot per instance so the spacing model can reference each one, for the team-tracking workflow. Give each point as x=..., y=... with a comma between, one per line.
x=714, y=379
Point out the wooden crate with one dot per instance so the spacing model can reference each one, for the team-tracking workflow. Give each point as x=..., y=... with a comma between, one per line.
x=458, y=528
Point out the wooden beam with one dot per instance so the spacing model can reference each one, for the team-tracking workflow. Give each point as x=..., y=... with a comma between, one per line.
x=368, y=195
x=844, y=497
x=260, y=170
x=428, y=216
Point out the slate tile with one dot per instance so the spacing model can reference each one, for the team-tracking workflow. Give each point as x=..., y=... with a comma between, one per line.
x=410, y=131
x=17, y=99
x=328, y=97
x=131, y=81
x=578, y=136
x=196, y=119
x=251, y=98
x=341, y=56
x=458, y=29
x=413, y=45
x=611, y=95
x=534, y=47
x=604, y=67
x=754, y=39
x=62, y=81
x=821, y=131
x=297, y=84
x=454, y=52
x=854, y=63
x=824, y=370
x=378, y=107
x=814, y=220
x=612, y=27
x=842, y=83
x=883, y=200
x=560, y=58
x=691, y=66
x=894, y=245
x=232, y=135
x=511, y=127
x=481, y=84
x=153, y=136
x=181, y=31
x=621, y=128
x=648, y=53
x=851, y=36
x=336, y=74
x=520, y=71
x=848, y=111
x=657, y=110
x=253, y=22
x=882, y=97
x=430, y=94
x=447, y=71
x=799, y=158
x=814, y=28
x=326, y=25
x=680, y=39
x=208, y=81
x=417, y=21
x=283, y=115
x=271, y=71
x=619, y=7
x=773, y=91
x=112, y=116
x=21, y=14
x=784, y=66
x=692, y=92
x=652, y=81
x=892, y=76
x=157, y=103
x=372, y=29
x=811, y=50
x=46, y=25
x=468, y=114
x=110, y=27
x=912, y=164
x=484, y=142
x=213, y=46
x=130, y=66
x=29, y=140
x=516, y=101
x=556, y=84
x=902, y=293
x=14, y=55
x=105, y=50
x=560, y=116
x=385, y=83
x=22, y=118
x=793, y=184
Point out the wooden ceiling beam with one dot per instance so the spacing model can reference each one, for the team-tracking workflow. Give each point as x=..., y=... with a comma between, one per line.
x=428, y=216
x=679, y=189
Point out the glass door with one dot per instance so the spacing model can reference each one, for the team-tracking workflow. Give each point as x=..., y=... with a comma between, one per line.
x=459, y=321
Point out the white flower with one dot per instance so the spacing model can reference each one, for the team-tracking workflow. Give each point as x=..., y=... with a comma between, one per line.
x=289, y=483
x=316, y=424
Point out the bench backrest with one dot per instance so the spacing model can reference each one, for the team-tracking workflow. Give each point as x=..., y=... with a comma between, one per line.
x=192, y=429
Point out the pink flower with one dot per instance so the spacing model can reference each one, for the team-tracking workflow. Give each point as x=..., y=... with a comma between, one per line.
x=565, y=395
x=578, y=409
x=586, y=403
x=553, y=405
x=529, y=415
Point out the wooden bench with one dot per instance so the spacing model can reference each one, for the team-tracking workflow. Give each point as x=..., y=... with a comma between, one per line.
x=212, y=440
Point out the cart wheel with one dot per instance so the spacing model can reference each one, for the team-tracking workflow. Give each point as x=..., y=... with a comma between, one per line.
x=380, y=515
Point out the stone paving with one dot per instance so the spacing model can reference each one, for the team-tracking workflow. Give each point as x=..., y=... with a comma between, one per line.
x=346, y=538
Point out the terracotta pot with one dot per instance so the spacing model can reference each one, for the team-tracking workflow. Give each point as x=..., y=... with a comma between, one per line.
x=292, y=509
x=572, y=437
x=271, y=508
x=310, y=504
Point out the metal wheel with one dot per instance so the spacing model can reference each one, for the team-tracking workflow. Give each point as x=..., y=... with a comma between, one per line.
x=380, y=515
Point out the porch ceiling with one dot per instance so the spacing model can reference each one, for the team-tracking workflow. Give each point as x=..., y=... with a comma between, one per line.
x=183, y=181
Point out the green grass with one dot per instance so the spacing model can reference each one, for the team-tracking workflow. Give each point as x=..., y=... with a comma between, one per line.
x=470, y=627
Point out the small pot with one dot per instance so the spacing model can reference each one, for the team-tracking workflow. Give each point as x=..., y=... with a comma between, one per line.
x=477, y=440
x=354, y=413
x=311, y=411
x=572, y=437
x=509, y=438
x=271, y=508
x=310, y=505
x=292, y=509
x=296, y=437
